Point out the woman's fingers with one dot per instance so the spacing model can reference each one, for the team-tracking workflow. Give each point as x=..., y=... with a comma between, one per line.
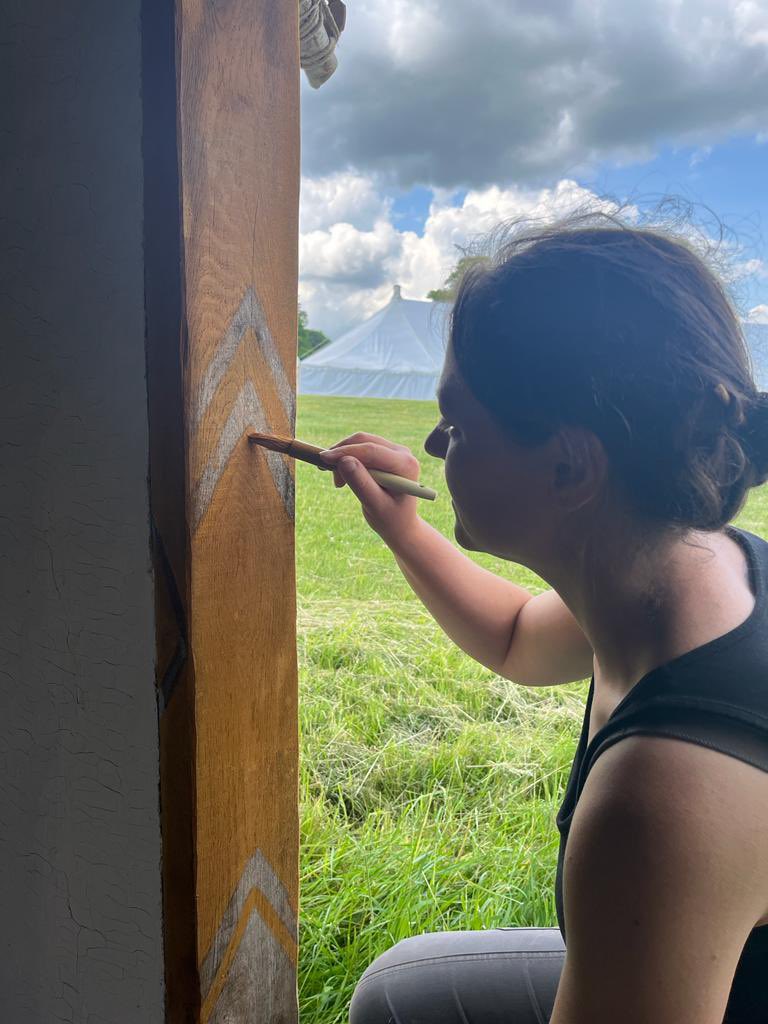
x=361, y=438
x=376, y=456
x=390, y=515
x=374, y=452
x=372, y=497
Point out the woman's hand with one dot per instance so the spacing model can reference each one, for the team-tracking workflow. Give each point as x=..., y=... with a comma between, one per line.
x=392, y=516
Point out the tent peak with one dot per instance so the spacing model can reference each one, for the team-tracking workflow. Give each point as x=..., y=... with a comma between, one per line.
x=397, y=292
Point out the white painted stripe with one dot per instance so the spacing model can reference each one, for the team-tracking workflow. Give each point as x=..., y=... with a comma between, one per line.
x=272, y=358
x=260, y=985
x=247, y=414
x=257, y=874
x=248, y=314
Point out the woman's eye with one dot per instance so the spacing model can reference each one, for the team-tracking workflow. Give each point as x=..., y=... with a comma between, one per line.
x=447, y=428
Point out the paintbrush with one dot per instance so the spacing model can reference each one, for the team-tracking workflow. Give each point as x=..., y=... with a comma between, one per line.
x=311, y=453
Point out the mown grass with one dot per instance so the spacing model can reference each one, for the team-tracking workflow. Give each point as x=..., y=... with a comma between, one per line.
x=429, y=785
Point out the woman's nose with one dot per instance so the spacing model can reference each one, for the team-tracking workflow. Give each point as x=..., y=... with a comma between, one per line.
x=436, y=443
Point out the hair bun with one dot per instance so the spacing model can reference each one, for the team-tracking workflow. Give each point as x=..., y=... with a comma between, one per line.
x=754, y=434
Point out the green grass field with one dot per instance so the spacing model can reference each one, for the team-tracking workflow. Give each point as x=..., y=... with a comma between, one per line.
x=429, y=785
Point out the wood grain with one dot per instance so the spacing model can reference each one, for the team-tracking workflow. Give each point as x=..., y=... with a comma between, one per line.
x=239, y=160
x=167, y=475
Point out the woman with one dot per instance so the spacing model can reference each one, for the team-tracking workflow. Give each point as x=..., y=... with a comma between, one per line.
x=600, y=424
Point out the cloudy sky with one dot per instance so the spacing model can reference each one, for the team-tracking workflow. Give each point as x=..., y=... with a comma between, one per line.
x=446, y=117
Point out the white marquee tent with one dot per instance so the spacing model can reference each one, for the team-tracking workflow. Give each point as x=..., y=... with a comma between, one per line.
x=397, y=353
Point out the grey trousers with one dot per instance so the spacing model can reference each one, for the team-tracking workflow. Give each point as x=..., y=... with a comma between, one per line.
x=498, y=976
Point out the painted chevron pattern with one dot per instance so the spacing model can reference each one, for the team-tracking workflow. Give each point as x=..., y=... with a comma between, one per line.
x=258, y=964
x=247, y=412
x=258, y=883
x=249, y=314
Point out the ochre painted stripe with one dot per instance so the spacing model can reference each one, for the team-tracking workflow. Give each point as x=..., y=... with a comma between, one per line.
x=247, y=413
x=256, y=902
x=259, y=874
x=249, y=316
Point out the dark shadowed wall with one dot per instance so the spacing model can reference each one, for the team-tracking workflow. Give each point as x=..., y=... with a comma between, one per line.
x=80, y=851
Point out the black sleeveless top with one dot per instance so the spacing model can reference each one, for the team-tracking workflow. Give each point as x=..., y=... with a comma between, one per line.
x=717, y=696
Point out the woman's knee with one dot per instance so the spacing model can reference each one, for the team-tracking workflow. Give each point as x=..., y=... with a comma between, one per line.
x=504, y=974
x=373, y=995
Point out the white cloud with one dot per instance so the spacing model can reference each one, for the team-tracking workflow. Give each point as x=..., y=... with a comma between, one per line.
x=347, y=272
x=758, y=315
x=751, y=23
x=427, y=260
x=347, y=268
x=333, y=309
x=343, y=197
x=349, y=255
x=415, y=34
x=699, y=155
x=737, y=270
x=451, y=93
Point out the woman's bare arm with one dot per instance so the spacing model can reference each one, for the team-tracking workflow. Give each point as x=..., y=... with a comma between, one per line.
x=533, y=640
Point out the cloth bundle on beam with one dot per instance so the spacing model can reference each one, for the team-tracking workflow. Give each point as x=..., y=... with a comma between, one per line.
x=320, y=24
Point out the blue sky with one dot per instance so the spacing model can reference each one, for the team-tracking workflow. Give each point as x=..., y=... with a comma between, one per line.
x=731, y=178
x=443, y=119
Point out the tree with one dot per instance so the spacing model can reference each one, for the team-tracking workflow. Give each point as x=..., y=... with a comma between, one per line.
x=309, y=340
x=448, y=292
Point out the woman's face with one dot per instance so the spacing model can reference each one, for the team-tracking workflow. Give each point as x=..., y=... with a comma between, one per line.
x=500, y=489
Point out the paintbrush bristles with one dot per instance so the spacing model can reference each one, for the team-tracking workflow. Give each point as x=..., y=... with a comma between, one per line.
x=289, y=446
x=311, y=453
x=274, y=442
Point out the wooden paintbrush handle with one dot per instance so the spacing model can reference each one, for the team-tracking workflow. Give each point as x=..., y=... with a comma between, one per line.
x=390, y=481
x=402, y=485
x=307, y=453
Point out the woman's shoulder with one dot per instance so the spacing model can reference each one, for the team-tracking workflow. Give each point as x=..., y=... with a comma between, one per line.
x=669, y=840
x=691, y=789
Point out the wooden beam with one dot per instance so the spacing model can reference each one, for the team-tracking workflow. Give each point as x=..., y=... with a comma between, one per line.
x=239, y=179
x=163, y=271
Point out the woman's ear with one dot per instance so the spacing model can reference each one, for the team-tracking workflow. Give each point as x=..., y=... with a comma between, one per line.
x=580, y=467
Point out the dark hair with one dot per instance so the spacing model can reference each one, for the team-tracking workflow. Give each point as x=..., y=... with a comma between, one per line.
x=626, y=331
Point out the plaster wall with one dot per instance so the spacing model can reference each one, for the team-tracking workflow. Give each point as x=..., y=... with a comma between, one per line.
x=80, y=850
